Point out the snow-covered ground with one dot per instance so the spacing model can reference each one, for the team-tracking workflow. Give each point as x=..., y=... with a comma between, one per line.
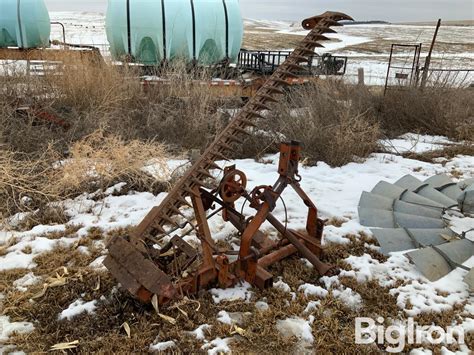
x=336, y=192
x=368, y=46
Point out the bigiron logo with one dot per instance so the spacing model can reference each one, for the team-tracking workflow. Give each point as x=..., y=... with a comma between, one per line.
x=369, y=331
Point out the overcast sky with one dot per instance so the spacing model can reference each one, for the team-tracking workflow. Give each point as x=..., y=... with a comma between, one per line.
x=389, y=10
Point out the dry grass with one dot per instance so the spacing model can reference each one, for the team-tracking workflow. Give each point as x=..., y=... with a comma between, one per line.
x=334, y=253
x=333, y=326
x=88, y=98
x=100, y=159
x=330, y=122
x=23, y=182
x=435, y=111
x=335, y=123
x=94, y=163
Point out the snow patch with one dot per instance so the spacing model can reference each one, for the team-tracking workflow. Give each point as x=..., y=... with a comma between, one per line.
x=330, y=281
x=78, y=307
x=166, y=345
x=424, y=296
x=240, y=292
x=297, y=327
x=28, y=280
x=350, y=298
x=312, y=290
x=224, y=317
x=98, y=263
x=415, y=143
x=7, y=328
x=217, y=346
x=16, y=258
x=312, y=306
x=262, y=306
x=199, y=331
x=115, y=189
x=282, y=286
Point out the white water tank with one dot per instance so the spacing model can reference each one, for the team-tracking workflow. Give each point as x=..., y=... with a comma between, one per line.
x=150, y=31
x=24, y=24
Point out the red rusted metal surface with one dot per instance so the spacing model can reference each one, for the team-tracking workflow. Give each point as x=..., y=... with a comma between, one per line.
x=157, y=258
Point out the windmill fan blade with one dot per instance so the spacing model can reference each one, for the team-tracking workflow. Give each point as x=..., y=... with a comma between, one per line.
x=399, y=239
x=413, y=184
x=469, y=279
x=373, y=201
x=386, y=189
x=466, y=200
x=388, y=219
x=434, y=265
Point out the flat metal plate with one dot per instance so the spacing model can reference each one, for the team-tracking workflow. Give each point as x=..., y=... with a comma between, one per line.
x=374, y=201
x=127, y=281
x=432, y=265
x=136, y=266
x=421, y=188
x=444, y=184
x=452, y=191
x=419, y=200
x=388, y=190
x=376, y=218
x=417, y=210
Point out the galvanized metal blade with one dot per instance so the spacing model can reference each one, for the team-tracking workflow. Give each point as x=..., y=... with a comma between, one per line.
x=437, y=181
x=400, y=239
x=435, y=195
x=411, y=183
x=466, y=200
x=386, y=189
x=416, y=210
x=452, y=191
x=465, y=183
x=373, y=201
x=387, y=219
x=444, y=184
x=435, y=265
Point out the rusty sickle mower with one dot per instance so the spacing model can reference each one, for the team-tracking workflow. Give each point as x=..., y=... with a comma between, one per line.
x=157, y=260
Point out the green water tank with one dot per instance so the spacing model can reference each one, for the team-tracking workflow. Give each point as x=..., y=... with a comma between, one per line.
x=149, y=31
x=24, y=24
